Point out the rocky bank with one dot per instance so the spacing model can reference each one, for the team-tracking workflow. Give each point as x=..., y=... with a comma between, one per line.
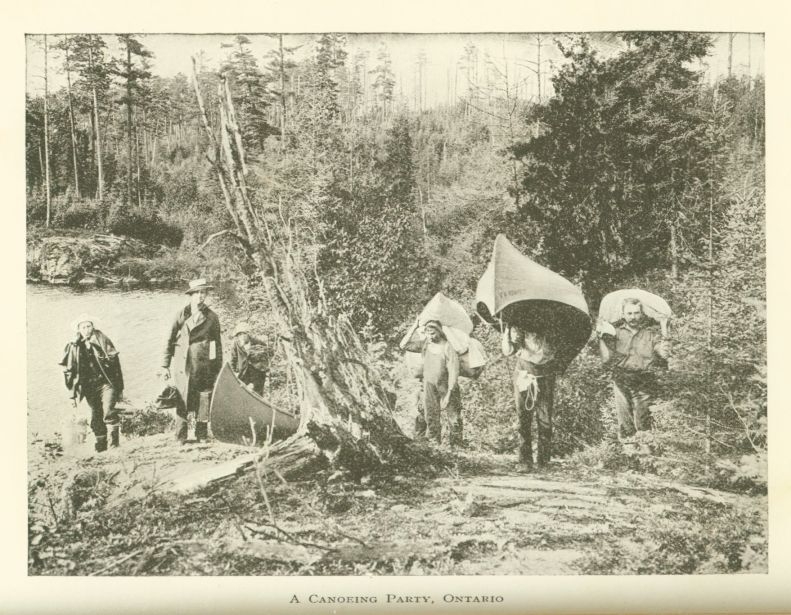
x=90, y=260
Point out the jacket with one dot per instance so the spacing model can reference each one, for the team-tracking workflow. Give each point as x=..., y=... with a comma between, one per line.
x=242, y=360
x=637, y=351
x=195, y=352
x=107, y=359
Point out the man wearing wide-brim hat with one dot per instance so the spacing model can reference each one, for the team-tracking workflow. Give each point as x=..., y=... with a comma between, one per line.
x=92, y=371
x=194, y=351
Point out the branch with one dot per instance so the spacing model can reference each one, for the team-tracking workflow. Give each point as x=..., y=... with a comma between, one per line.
x=243, y=242
x=494, y=115
x=215, y=147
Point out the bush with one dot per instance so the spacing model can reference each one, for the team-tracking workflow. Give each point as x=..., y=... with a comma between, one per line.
x=81, y=216
x=146, y=227
x=148, y=421
x=36, y=209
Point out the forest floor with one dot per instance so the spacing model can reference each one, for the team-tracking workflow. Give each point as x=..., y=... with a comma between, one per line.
x=131, y=512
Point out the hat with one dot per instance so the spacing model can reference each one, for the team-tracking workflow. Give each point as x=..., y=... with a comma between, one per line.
x=169, y=398
x=199, y=284
x=242, y=327
x=75, y=324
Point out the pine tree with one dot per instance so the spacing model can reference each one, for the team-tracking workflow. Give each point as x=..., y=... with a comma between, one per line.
x=384, y=81
x=330, y=57
x=94, y=70
x=277, y=71
x=134, y=73
x=624, y=143
x=249, y=86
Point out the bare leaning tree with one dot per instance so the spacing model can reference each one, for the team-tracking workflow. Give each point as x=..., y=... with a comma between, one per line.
x=346, y=415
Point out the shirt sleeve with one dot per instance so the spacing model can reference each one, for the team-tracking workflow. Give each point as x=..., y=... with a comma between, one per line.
x=410, y=345
x=506, y=345
x=234, y=360
x=661, y=347
x=452, y=359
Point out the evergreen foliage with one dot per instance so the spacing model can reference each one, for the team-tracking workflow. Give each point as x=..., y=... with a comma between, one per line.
x=635, y=172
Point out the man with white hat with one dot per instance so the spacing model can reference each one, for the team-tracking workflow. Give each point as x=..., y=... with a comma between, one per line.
x=194, y=348
x=92, y=371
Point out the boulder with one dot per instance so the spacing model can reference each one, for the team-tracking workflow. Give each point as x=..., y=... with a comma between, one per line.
x=67, y=259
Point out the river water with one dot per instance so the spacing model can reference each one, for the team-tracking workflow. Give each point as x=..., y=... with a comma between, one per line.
x=136, y=321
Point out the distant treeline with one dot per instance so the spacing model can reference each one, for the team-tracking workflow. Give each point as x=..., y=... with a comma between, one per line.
x=624, y=168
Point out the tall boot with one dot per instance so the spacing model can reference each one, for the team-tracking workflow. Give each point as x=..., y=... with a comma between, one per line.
x=115, y=436
x=101, y=444
x=201, y=431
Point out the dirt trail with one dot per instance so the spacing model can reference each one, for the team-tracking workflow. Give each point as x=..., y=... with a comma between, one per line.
x=488, y=519
x=478, y=517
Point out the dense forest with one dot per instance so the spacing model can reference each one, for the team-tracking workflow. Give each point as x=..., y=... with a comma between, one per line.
x=631, y=170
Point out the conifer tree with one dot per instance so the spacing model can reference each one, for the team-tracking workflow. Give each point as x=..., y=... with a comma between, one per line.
x=249, y=87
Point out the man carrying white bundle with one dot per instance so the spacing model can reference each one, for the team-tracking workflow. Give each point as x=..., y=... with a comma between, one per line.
x=441, y=394
x=634, y=347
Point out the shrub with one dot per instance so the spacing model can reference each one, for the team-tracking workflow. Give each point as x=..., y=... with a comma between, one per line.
x=81, y=216
x=146, y=227
x=148, y=421
x=36, y=209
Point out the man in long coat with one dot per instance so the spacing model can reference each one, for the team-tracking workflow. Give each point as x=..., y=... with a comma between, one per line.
x=194, y=349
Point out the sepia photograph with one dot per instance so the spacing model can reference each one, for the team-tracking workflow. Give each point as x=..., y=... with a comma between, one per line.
x=396, y=304
x=408, y=305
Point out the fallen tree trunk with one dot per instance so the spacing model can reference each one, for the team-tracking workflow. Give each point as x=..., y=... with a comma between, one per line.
x=346, y=414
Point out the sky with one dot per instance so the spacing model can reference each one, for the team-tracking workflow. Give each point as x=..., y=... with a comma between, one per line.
x=510, y=53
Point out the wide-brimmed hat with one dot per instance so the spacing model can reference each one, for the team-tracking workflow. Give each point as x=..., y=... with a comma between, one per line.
x=242, y=327
x=199, y=284
x=75, y=324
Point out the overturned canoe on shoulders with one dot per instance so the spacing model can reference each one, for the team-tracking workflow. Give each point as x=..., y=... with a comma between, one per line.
x=233, y=405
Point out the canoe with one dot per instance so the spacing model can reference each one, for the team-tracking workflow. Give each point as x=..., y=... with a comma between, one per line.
x=517, y=291
x=233, y=405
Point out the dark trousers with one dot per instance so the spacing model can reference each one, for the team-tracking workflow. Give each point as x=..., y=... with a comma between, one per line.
x=201, y=401
x=633, y=393
x=434, y=420
x=542, y=406
x=101, y=398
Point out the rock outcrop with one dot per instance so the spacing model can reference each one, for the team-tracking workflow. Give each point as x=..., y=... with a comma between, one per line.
x=73, y=259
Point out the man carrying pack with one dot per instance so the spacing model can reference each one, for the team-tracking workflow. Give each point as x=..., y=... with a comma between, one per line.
x=441, y=394
x=534, y=392
x=635, y=348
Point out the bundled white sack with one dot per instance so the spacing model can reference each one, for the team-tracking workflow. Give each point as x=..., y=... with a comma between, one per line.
x=472, y=362
x=456, y=326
